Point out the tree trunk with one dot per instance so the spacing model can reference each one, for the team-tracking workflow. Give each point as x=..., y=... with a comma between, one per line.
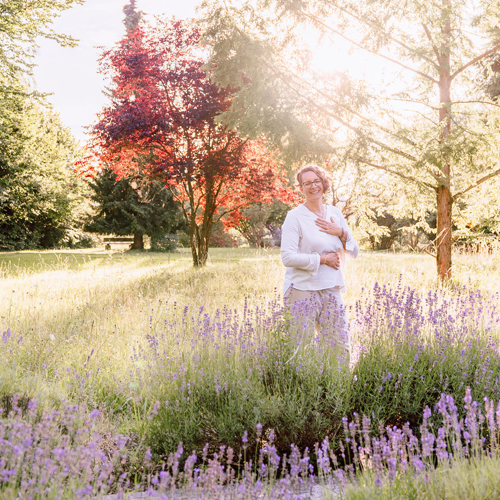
x=193, y=244
x=444, y=197
x=203, y=251
x=443, y=228
x=138, y=243
x=200, y=240
x=200, y=235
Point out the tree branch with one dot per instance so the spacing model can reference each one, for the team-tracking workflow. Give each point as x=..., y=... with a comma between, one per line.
x=355, y=113
x=434, y=108
x=475, y=60
x=434, y=47
x=356, y=130
x=477, y=183
x=434, y=256
x=388, y=35
x=476, y=102
x=428, y=77
x=393, y=172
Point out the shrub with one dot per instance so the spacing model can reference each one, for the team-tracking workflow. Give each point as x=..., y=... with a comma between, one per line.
x=220, y=239
x=164, y=243
x=215, y=377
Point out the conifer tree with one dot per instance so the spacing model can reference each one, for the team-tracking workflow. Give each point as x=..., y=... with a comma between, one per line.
x=135, y=206
x=132, y=204
x=427, y=125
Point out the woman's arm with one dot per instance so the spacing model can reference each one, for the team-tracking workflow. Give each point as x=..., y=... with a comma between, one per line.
x=342, y=231
x=290, y=255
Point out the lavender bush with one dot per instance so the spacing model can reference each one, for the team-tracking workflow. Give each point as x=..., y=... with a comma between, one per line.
x=55, y=454
x=413, y=347
x=206, y=380
x=59, y=454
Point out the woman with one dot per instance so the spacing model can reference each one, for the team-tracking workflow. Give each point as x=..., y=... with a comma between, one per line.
x=315, y=239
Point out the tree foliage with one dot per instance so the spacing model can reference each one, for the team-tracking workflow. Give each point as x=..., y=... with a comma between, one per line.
x=42, y=202
x=424, y=120
x=132, y=205
x=260, y=220
x=22, y=22
x=164, y=110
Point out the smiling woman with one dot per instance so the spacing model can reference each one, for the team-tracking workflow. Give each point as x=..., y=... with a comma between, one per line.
x=314, y=242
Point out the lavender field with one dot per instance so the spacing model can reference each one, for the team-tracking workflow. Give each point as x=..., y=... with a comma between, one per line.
x=137, y=372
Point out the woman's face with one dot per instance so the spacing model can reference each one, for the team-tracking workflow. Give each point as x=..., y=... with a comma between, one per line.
x=311, y=186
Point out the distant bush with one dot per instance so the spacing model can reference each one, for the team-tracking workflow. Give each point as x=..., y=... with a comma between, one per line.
x=81, y=239
x=164, y=243
x=220, y=239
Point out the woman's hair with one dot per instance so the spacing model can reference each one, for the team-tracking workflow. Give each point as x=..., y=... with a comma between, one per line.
x=325, y=179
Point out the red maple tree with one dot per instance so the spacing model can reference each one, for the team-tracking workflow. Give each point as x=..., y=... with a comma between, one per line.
x=163, y=116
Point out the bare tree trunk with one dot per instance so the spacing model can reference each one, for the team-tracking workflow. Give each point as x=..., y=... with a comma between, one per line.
x=444, y=197
x=443, y=237
x=138, y=243
x=199, y=239
x=194, y=246
x=205, y=234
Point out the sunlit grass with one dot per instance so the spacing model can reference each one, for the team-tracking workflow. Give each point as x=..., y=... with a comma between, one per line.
x=85, y=315
x=66, y=304
x=477, y=479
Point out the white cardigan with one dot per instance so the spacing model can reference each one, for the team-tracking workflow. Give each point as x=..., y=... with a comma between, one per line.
x=302, y=243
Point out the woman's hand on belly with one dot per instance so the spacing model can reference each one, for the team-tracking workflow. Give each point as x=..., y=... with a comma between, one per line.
x=331, y=259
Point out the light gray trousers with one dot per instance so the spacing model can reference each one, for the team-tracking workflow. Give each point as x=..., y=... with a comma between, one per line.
x=319, y=315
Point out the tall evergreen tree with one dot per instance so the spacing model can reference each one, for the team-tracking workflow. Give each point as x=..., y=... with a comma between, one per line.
x=132, y=204
x=132, y=17
x=135, y=206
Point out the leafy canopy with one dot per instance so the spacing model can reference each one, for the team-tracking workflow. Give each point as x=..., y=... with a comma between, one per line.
x=164, y=109
x=21, y=23
x=42, y=203
x=421, y=116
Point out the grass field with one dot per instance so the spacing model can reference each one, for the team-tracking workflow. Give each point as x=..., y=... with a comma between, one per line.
x=168, y=353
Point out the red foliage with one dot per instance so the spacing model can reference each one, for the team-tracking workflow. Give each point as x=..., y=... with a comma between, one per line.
x=163, y=118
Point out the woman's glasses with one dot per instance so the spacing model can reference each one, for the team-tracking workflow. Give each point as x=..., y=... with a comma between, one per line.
x=308, y=184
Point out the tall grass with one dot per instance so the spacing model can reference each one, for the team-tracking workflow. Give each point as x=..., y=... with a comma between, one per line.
x=171, y=353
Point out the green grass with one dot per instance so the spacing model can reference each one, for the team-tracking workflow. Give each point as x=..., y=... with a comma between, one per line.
x=477, y=479
x=67, y=303
x=86, y=317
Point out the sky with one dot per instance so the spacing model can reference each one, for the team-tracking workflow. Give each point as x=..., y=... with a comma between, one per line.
x=71, y=74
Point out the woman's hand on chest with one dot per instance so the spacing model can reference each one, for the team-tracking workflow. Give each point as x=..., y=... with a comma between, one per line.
x=330, y=227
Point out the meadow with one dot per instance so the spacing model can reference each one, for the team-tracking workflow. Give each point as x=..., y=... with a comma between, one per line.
x=110, y=360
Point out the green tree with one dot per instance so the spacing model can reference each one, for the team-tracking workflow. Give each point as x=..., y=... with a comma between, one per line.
x=478, y=221
x=132, y=16
x=261, y=220
x=137, y=206
x=133, y=204
x=252, y=226
x=41, y=200
x=22, y=22
x=428, y=125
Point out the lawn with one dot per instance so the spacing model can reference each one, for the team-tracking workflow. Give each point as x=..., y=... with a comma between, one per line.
x=143, y=351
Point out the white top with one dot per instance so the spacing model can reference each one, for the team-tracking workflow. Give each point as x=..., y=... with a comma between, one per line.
x=302, y=243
